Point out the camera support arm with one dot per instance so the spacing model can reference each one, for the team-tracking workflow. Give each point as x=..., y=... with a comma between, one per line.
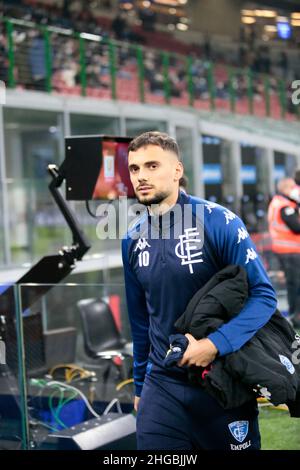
x=80, y=242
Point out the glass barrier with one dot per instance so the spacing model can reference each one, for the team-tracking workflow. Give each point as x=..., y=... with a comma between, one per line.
x=37, y=227
x=96, y=231
x=66, y=368
x=13, y=406
x=76, y=367
x=75, y=370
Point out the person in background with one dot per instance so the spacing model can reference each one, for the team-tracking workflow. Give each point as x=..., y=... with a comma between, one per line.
x=284, y=227
x=119, y=26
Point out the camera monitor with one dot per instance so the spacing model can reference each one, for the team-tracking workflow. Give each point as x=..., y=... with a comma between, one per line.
x=96, y=168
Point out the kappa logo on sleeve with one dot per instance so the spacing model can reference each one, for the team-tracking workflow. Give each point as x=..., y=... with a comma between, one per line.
x=210, y=206
x=250, y=255
x=229, y=216
x=242, y=234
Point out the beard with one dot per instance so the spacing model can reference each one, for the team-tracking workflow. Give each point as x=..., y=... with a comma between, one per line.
x=156, y=199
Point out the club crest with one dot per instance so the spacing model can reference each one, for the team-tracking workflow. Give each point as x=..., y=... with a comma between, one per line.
x=239, y=430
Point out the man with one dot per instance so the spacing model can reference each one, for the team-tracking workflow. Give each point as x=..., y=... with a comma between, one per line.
x=161, y=275
x=284, y=227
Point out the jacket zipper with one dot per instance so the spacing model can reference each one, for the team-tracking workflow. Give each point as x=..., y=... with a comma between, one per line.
x=162, y=244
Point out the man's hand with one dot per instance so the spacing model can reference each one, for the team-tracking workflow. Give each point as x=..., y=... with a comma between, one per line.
x=199, y=352
x=136, y=403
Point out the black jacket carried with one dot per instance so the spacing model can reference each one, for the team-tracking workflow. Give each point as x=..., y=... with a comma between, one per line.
x=267, y=365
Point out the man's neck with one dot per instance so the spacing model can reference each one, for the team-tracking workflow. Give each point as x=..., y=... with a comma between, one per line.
x=164, y=206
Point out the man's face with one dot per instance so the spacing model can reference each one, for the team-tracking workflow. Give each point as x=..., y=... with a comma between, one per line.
x=154, y=174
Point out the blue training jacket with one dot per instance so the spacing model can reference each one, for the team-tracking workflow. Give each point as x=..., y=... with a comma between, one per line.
x=167, y=259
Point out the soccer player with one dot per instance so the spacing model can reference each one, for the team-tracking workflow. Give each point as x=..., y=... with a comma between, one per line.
x=166, y=260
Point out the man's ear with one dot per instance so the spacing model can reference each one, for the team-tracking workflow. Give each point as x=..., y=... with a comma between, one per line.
x=178, y=171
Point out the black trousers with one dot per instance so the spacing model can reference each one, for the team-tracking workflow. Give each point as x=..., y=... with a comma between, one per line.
x=290, y=263
x=174, y=415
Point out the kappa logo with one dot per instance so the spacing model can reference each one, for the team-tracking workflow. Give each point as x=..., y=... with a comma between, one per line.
x=242, y=234
x=239, y=430
x=251, y=255
x=287, y=364
x=142, y=244
x=210, y=206
x=229, y=216
x=185, y=249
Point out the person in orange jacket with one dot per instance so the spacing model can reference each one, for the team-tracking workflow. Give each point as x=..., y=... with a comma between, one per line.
x=284, y=227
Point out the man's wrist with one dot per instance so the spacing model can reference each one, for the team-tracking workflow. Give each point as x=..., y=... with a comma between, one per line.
x=221, y=343
x=213, y=345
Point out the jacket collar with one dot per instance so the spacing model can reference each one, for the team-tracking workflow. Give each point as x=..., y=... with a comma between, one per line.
x=172, y=216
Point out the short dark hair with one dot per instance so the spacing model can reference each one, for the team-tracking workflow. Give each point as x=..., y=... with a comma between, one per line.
x=161, y=139
x=297, y=176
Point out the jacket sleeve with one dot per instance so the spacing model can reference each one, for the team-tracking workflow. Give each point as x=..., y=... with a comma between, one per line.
x=233, y=245
x=139, y=321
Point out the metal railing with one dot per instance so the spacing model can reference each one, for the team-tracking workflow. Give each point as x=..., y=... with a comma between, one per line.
x=56, y=60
